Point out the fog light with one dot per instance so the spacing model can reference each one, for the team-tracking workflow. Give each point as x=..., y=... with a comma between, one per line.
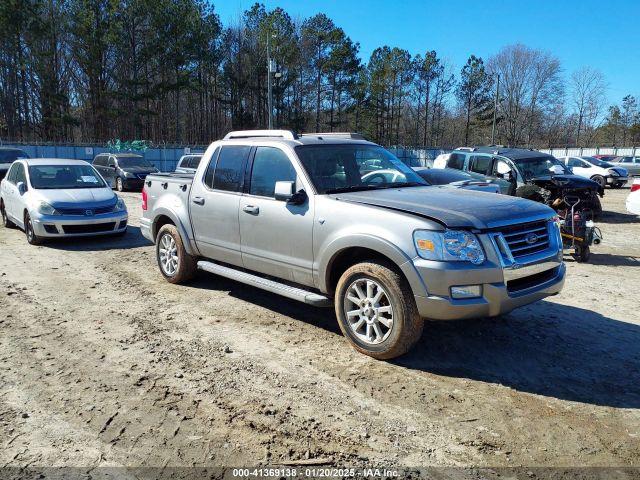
x=466, y=291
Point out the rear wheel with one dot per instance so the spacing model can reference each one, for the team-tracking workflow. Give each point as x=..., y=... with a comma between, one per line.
x=176, y=265
x=32, y=238
x=5, y=219
x=376, y=310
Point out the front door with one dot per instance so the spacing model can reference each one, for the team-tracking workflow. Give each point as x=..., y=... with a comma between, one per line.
x=215, y=200
x=276, y=236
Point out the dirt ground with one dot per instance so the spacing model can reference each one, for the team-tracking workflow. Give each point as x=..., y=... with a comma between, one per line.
x=103, y=363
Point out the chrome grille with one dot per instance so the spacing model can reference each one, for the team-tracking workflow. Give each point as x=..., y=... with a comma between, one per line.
x=526, y=238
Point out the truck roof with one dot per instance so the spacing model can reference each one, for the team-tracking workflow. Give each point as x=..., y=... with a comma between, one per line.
x=293, y=139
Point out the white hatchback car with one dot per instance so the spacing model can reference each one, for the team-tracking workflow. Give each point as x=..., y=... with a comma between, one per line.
x=59, y=198
x=597, y=170
x=633, y=200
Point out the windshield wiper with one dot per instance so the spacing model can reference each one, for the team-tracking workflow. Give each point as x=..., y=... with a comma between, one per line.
x=352, y=188
x=403, y=184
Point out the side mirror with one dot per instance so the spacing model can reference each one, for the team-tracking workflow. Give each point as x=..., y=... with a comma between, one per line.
x=22, y=188
x=284, y=190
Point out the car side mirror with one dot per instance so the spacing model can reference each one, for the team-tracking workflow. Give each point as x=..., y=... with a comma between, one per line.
x=284, y=190
x=22, y=188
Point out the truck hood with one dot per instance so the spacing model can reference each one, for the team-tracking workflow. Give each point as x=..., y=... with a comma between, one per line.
x=454, y=208
x=78, y=197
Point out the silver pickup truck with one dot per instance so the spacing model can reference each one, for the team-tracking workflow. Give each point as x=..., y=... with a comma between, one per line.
x=308, y=217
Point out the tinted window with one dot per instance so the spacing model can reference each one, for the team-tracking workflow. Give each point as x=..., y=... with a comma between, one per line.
x=100, y=161
x=574, y=162
x=480, y=164
x=456, y=160
x=193, y=162
x=11, y=175
x=21, y=176
x=230, y=168
x=270, y=165
x=208, y=176
x=128, y=162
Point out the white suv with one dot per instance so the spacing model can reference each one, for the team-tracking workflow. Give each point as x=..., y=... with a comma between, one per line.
x=597, y=170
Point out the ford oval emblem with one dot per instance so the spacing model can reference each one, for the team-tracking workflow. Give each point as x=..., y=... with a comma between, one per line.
x=88, y=213
x=531, y=238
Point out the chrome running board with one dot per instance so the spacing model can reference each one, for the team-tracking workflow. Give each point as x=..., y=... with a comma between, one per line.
x=311, y=298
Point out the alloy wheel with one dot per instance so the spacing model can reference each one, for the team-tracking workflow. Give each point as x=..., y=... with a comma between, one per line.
x=168, y=255
x=368, y=311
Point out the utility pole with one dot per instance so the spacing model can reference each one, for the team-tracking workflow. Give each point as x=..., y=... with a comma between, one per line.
x=270, y=69
x=495, y=112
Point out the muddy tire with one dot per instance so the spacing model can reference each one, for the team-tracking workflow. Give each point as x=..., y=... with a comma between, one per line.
x=175, y=264
x=32, y=238
x=6, y=223
x=376, y=310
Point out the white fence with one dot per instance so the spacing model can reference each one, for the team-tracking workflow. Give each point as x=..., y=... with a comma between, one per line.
x=587, y=152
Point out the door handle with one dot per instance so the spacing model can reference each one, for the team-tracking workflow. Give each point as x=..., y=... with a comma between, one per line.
x=251, y=209
x=198, y=200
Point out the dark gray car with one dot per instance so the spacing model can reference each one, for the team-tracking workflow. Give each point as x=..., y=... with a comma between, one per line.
x=123, y=171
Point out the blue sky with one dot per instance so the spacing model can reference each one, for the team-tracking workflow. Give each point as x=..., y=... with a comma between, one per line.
x=601, y=34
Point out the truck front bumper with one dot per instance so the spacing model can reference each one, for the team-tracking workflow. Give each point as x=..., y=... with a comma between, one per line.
x=501, y=284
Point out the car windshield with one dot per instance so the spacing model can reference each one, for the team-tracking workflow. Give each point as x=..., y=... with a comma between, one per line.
x=127, y=162
x=50, y=177
x=539, y=166
x=597, y=162
x=353, y=167
x=9, y=156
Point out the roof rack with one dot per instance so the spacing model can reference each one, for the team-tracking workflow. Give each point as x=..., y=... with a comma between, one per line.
x=286, y=134
x=353, y=135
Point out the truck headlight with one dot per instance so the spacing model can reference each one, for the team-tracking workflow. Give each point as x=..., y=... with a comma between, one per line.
x=120, y=206
x=450, y=245
x=45, y=209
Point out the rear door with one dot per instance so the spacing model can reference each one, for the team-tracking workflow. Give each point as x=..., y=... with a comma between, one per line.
x=214, y=204
x=276, y=236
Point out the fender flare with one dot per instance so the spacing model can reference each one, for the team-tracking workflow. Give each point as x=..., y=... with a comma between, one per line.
x=182, y=229
x=329, y=253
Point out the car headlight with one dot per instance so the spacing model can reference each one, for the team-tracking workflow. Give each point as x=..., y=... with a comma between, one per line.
x=120, y=206
x=450, y=245
x=45, y=209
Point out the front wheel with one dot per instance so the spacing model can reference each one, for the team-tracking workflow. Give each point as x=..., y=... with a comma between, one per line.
x=5, y=219
x=599, y=179
x=376, y=310
x=32, y=238
x=176, y=265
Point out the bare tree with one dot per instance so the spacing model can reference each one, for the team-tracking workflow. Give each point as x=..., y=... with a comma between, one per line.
x=588, y=88
x=530, y=85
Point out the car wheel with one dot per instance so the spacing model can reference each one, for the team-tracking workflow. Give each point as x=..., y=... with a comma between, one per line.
x=119, y=184
x=376, y=310
x=5, y=219
x=599, y=179
x=176, y=265
x=32, y=238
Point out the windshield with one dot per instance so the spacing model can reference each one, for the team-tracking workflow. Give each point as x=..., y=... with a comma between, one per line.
x=8, y=156
x=539, y=166
x=353, y=167
x=49, y=177
x=127, y=162
x=597, y=162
